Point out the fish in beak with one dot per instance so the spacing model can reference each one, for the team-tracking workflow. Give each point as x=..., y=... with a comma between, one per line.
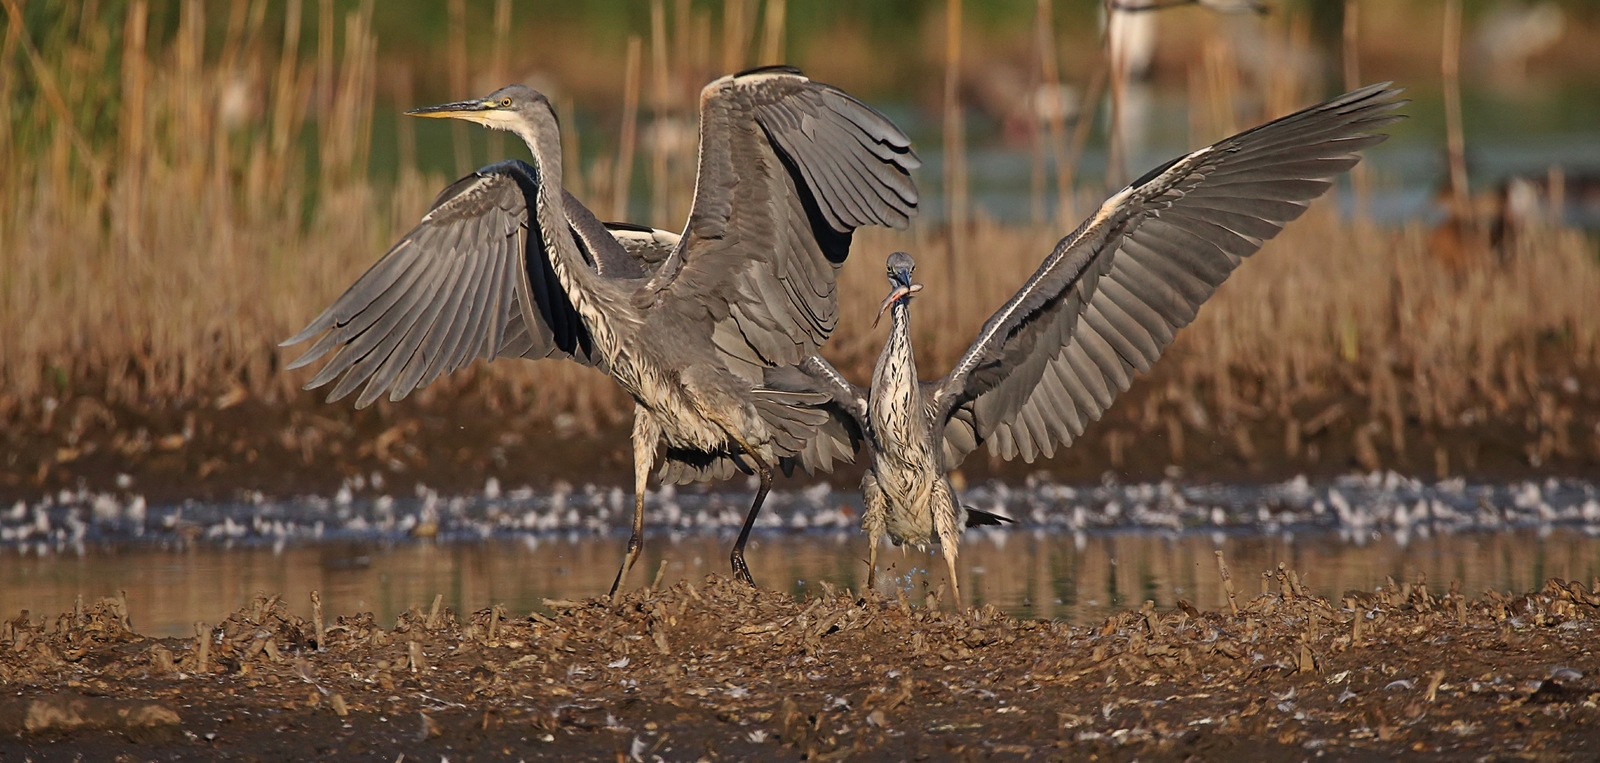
x=903, y=289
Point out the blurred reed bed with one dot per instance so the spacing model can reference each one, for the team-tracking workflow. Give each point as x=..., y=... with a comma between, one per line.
x=160, y=228
x=172, y=209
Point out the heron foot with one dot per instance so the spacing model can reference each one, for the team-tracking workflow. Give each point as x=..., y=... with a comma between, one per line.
x=955, y=581
x=635, y=546
x=741, y=571
x=872, y=564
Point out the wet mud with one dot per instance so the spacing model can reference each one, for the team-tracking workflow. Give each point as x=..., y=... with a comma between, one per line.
x=1163, y=427
x=715, y=670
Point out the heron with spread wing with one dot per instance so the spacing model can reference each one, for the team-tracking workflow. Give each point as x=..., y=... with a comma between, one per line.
x=507, y=264
x=1102, y=307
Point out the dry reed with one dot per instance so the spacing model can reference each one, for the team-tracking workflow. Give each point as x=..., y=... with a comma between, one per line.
x=157, y=261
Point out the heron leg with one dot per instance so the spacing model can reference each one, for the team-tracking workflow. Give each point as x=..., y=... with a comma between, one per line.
x=738, y=420
x=872, y=521
x=741, y=571
x=872, y=563
x=955, y=584
x=645, y=436
x=944, y=522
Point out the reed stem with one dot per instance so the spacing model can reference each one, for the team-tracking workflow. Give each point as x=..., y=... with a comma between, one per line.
x=499, y=68
x=955, y=148
x=459, y=84
x=1455, y=137
x=772, y=36
x=630, y=128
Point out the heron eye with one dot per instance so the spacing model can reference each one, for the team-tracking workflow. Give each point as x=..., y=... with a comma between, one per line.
x=505, y=102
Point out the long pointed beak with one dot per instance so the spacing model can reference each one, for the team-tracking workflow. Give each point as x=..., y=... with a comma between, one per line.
x=895, y=296
x=458, y=109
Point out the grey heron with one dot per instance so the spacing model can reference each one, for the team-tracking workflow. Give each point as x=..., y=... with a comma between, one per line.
x=1102, y=307
x=507, y=264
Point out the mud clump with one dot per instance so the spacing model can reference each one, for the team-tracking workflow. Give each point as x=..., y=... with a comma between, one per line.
x=65, y=713
x=720, y=671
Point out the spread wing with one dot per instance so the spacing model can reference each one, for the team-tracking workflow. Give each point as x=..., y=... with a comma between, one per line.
x=471, y=280
x=788, y=169
x=1112, y=295
x=846, y=424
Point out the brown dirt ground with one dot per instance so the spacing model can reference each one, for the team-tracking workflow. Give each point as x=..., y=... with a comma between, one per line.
x=720, y=671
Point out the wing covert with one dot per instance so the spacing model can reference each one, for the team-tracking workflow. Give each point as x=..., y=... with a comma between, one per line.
x=650, y=246
x=844, y=406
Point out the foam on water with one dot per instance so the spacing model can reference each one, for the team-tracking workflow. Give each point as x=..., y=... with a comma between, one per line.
x=1353, y=506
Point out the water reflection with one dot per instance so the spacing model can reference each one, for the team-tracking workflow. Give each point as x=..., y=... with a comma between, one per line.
x=1076, y=577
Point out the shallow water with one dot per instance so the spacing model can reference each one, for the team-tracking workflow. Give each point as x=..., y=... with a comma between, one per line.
x=1075, y=552
x=1074, y=576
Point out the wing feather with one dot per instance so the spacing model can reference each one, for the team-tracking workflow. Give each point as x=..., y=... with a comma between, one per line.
x=368, y=352
x=471, y=280
x=1138, y=325
x=409, y=359
x=379, y=290
x=1112, y=295
x=788, y=169
x=1168, y=292
x=478, y=332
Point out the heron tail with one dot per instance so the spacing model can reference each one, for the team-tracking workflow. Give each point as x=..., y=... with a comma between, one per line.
x=977, y=517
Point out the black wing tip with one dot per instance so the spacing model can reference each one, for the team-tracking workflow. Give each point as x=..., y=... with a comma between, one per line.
x=771, y=69
x=1373, y=107
x=516, y=169
x=1369, y=107
x=635, y=227
x=1377, y=100
x=980, y=518
x=1378, y=93
x=1156, y=172
x=1385, y=89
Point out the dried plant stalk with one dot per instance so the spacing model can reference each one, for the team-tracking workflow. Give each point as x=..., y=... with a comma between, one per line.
x=1227, y=584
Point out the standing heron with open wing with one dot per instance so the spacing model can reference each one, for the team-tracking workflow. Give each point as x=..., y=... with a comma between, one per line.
x=1103, y=306
x=507, y=264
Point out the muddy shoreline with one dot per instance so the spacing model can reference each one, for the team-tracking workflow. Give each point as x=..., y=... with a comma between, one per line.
x=216, y=449
x=718, y=671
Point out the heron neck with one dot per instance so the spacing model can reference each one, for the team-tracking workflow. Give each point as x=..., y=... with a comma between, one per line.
x=895, y=409
x=589, y=293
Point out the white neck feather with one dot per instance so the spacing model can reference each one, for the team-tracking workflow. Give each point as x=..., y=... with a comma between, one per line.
x=595, y=303
x=895, y=409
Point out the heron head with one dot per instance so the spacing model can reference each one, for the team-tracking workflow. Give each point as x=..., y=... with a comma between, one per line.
x=513, y=107
x=899, y=267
